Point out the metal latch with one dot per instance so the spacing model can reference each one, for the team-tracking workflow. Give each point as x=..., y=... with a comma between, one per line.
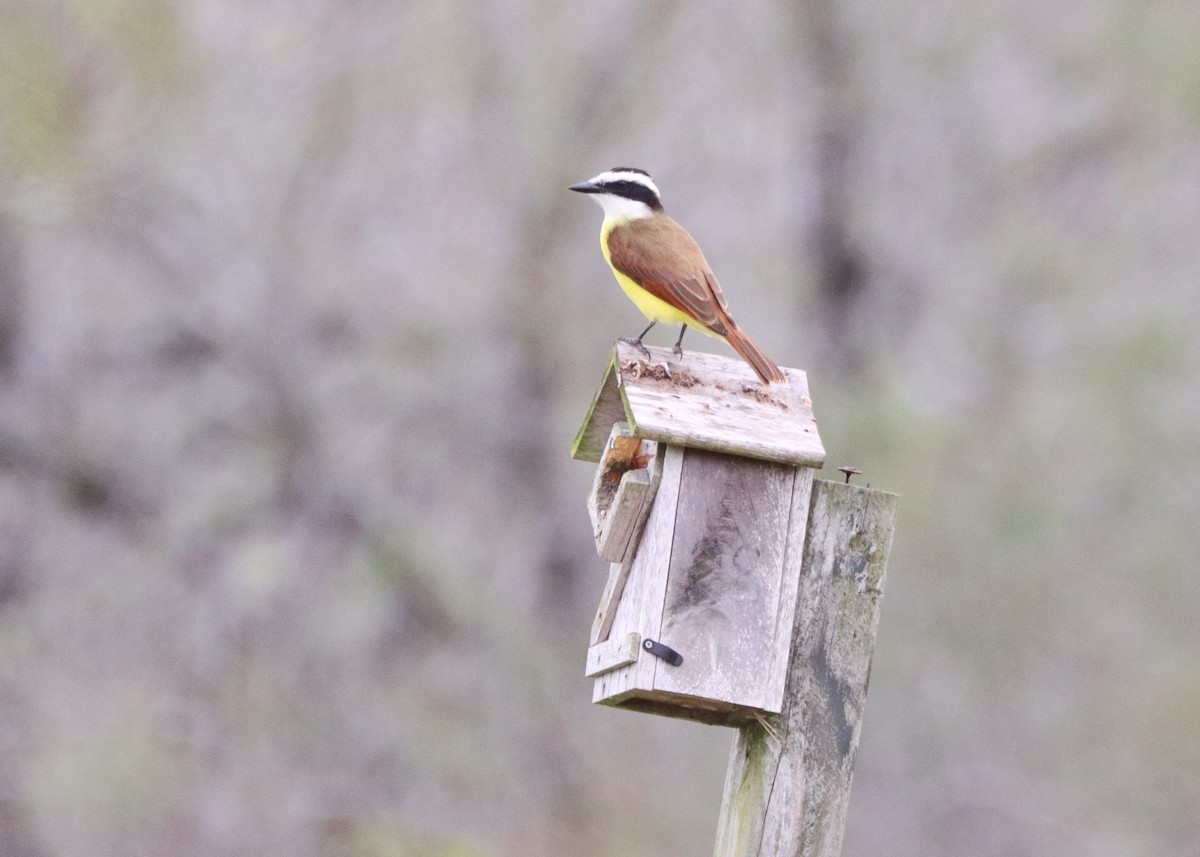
x=665, y=652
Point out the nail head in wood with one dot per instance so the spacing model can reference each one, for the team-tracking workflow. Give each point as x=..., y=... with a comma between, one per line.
x=849, y=471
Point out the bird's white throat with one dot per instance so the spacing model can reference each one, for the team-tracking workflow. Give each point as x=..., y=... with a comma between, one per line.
x=621, y=208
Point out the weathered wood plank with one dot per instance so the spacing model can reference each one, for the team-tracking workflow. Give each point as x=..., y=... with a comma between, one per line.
x=723, y=582
x=610, y=600
x=615, y=539
x=622, y=492
x=638, y=609
x=628, y=532
x=793, y=560
x=788, y=798
x=608, y=407
x=611, y=654
x=715, y=403
x=704, y=401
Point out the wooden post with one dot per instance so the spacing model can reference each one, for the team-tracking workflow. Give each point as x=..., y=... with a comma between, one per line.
x=788, y=783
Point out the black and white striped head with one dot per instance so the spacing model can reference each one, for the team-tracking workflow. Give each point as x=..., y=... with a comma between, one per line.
x=623, y=192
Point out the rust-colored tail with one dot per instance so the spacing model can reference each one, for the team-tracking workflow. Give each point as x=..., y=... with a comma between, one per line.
x=752, y=354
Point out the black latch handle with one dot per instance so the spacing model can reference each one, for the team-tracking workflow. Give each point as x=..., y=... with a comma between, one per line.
x=665, y=652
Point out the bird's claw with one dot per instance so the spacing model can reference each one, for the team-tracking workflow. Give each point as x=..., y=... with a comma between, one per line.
x=637, y=343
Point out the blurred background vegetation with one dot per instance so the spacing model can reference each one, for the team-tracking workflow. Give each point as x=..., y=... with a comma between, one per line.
x=297, y=322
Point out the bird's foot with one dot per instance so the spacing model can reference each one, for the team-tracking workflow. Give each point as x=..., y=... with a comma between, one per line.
x=637, y=343
x=678, y=349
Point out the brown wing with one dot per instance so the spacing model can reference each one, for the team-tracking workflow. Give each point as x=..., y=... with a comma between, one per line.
x=660, y=255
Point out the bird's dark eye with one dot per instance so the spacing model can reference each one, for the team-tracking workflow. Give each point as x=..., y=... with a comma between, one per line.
x=632, y=190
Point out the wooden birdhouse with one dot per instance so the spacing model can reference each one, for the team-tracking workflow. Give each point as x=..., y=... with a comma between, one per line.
x=701, y=505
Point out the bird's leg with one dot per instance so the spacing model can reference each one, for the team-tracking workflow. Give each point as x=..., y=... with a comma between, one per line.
x=679, y=341
x=637, y=341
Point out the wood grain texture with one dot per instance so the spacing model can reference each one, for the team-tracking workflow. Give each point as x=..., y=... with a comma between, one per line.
x=611, y=654
x=724, y=580
x=704, y=401
x=616, y=528
x=776, y=679
x=786, y=798
x=639, y=609
x=717, y=403
x=610, y=600
x=622, y=493
x=607, y=407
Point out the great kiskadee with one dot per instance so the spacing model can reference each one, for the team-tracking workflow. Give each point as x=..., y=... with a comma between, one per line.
x=661, y=268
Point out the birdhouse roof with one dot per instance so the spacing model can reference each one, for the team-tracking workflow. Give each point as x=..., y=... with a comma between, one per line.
x=703, y=401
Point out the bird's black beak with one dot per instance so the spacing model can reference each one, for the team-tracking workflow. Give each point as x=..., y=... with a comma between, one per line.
x=584, y=187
